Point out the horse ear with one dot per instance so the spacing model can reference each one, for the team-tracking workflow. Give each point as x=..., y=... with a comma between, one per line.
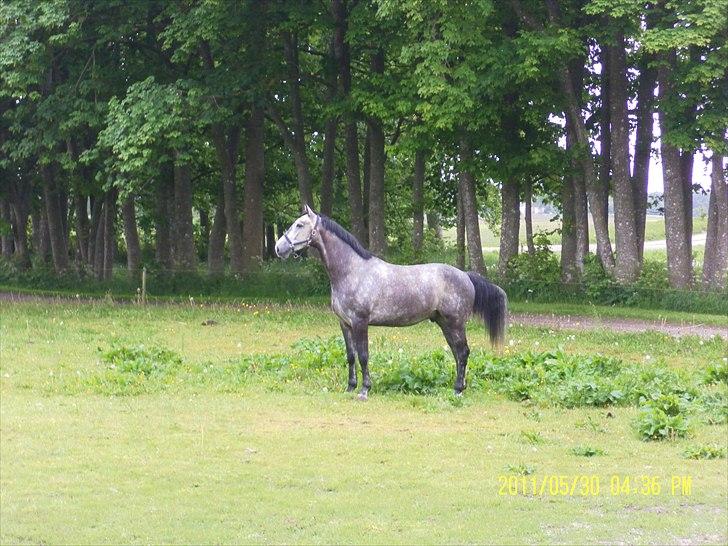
x=309, y=211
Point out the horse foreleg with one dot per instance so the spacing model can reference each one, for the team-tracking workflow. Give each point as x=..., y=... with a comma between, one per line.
x=458, y=342
x=350, y=355
x=361, y=344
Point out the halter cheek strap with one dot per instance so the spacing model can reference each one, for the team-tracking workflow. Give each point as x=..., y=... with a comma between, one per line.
x=307, y=241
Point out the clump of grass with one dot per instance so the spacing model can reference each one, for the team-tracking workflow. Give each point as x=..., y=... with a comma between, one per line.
x=707, y=451
x=520, y=469
x=590, y=424
x=587, y=451
x=533, y=437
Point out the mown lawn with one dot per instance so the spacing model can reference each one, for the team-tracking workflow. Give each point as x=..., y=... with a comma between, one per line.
x=268, y=461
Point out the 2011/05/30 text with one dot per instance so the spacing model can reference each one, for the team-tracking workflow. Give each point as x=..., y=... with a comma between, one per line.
x=594, y=485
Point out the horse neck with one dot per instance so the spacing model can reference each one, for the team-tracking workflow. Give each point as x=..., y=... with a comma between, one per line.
x=338, y=258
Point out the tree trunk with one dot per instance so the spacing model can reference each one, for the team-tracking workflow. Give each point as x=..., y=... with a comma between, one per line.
x=131, y=236
x=96, y=212
x=605, y=120
x=510, y=225
x=627, y=267
x=418, y=219
x=433, y=224
x=254, y=175
x=6, y=240
x=569, y=269
x=366, y=179
x=643, y=145
x=528, y=199
x=20, y=194
x=216, y=245
x=466, y=187
x=376, y=208
x=595, y=193
x=162, y=227
x=341, y=49
x=329, y=161
x=82, y=227
x=185, y=253
x=270, y=241
x=109, y=235
x=99, y=239
x=460, y=227
x=54, y=217
x=679, y=256
x=297, y=140
x=204, y=225
x=686, y=169
x=715, y=264
x=581, y=219
x=226, y=146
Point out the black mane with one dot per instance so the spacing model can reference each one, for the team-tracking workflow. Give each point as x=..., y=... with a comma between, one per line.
x=345, y=236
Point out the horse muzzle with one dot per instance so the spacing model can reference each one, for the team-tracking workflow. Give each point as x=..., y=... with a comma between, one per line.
x=283, y=248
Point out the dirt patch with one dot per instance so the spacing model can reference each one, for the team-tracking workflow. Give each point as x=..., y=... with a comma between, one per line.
x=616, y=324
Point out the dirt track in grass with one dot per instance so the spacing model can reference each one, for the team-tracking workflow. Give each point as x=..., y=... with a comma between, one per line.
x=538, y=320
x=618, y=324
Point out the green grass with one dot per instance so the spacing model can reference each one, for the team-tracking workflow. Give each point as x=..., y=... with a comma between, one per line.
x=262, y=461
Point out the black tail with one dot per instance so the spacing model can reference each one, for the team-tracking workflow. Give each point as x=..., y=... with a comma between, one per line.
x=491, y=304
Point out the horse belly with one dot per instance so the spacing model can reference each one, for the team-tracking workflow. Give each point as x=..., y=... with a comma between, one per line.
x=402, y=309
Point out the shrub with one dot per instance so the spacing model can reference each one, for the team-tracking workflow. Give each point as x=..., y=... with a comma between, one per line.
x=663, y=418
x=717, y=373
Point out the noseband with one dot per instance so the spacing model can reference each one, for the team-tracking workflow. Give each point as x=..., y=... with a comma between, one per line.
x=303, y=243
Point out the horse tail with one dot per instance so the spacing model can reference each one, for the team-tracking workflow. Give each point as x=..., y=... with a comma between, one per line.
x=491, y=304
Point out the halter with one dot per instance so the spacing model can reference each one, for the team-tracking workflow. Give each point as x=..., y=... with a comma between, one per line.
x=307, y=241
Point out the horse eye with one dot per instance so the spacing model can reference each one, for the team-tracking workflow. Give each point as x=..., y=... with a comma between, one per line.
x=299, y=224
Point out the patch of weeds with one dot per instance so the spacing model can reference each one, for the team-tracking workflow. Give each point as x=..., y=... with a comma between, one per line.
x=425, y=374
x=663, y=418
x=716, y=373
x=707, y=451
x=520, y=469
x=712, y=407
x=590, y=424
x=134, y=370
x=587, y=451
x=534, y=415
x=533, y=437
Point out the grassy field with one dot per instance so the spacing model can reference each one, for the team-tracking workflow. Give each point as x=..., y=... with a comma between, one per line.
x=654, y=229
x=206, y=456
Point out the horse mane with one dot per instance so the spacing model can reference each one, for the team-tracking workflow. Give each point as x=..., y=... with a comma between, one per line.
x=345, y=236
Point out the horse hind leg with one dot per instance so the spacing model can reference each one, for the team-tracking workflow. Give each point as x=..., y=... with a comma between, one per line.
x=361, y=344
x=454, y=333
x=350, y=356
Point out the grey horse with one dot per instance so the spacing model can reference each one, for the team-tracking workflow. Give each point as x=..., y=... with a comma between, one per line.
x=366, y=290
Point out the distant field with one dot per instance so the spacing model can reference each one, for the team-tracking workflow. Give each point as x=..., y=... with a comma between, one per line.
x=654, y=229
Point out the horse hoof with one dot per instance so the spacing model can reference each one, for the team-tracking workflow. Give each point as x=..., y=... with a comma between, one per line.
x=351, y=388
x=362, y=396
x=459, y=394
